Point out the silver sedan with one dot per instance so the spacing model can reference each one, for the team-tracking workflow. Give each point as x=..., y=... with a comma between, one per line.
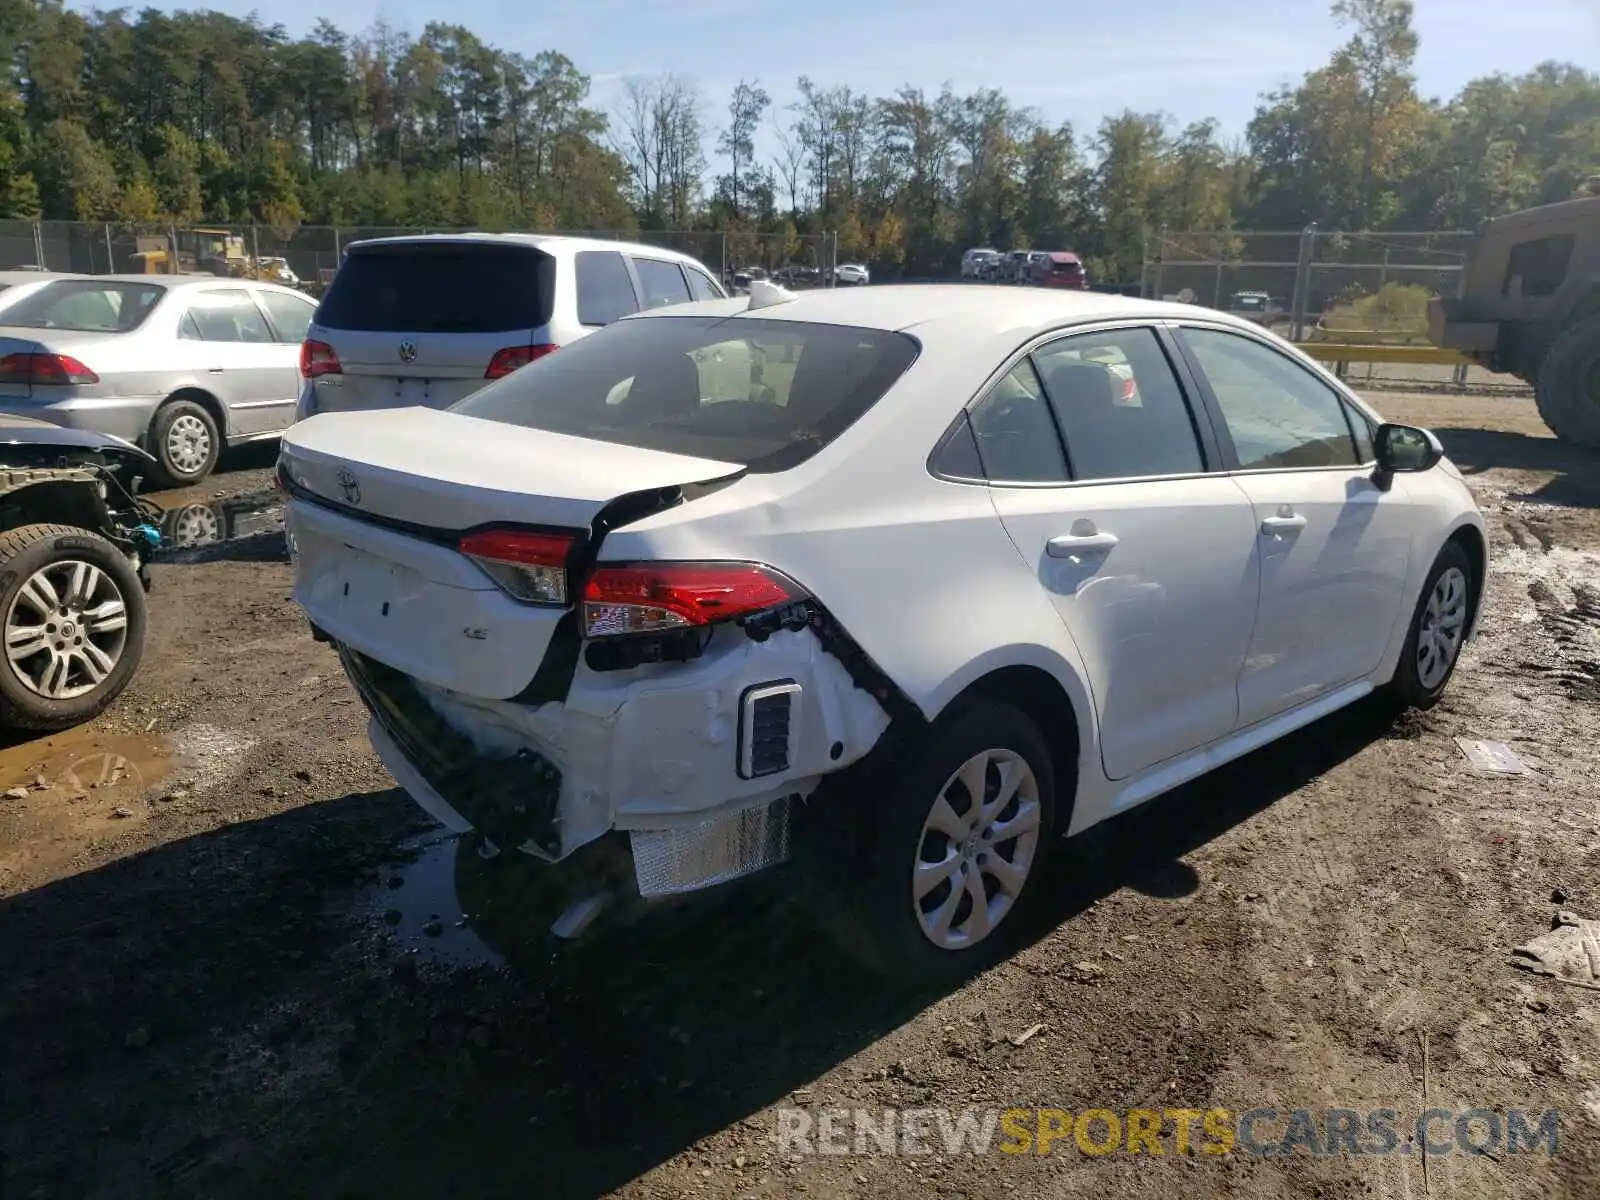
x=181, y=365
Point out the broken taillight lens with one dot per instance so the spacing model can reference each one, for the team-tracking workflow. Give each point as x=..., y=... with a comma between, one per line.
x=527, y=565
x=508, y=360
x=657, y=597
x=44, y=369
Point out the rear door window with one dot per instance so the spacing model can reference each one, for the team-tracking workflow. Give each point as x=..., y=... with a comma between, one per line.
x=440, y=287
x=226, y=315
x=1122, y=412
x=768, y=394
x=605, y=289
x=662, y=282
x=291, y=316
x=700, y=285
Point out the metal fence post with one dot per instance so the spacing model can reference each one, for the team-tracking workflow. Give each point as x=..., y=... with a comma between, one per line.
x=1161, y=254
x=723, y=254
x=38, y=246
x=1216, y=291
x=255, y=250
x=172, y=250
x=1302, y=283
x=111, y=259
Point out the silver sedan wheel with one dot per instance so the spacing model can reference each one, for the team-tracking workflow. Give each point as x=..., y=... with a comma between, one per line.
x=1444, y=621
x=66, y=629
x=188, y=443
x=977, y=848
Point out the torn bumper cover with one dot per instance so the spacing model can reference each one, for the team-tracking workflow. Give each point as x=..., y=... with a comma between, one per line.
x=701, y=774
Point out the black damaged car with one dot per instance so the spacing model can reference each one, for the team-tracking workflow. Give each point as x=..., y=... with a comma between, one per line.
x=74, y=543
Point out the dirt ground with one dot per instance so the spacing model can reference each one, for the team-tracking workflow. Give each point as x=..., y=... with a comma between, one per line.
x=219, y=976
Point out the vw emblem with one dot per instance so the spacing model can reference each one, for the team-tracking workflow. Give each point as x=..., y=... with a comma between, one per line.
x=408, y=351
x=349, y=486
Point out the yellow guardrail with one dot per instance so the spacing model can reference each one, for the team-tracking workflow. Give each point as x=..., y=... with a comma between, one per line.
x=1349, y=352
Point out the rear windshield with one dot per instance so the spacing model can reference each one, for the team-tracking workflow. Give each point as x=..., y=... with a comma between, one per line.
x=445, y=288
x=766, y=394
x=86, y=306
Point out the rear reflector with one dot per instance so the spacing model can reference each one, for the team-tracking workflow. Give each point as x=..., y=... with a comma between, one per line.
x=44, y=369
x=527, y=566
x=318, y=358
x=508, y=360
x=655, y=597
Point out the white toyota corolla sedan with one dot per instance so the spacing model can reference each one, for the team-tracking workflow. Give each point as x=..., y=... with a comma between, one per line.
x=932, y=591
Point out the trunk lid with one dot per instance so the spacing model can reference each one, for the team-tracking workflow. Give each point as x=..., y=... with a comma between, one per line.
x=19, y=339
x=380, y=498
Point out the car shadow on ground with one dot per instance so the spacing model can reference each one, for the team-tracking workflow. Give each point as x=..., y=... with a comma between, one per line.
x=1574, y=482
x=196, y=1016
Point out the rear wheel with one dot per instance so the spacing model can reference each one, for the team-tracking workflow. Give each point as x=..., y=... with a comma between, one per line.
x=185, y=441
x=1568, y=389
x=948, y=858
x=74, y=616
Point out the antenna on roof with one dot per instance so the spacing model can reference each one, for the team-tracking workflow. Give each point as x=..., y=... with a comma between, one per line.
x=764, y=293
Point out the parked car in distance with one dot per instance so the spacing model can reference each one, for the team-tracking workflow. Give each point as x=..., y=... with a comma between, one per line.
x=851, y=275
x=611, y=610
x=181, y=365
x=428, y=320
x=74, y=540
x=1060, y=269
x=1013, y=267
x=972, y=261
x=277, y=270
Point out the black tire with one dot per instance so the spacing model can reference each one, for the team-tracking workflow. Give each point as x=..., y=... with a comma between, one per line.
x=23, y=553
x=1568, y=390
x=1409, y=687
x=880, y=922
x=169, y=473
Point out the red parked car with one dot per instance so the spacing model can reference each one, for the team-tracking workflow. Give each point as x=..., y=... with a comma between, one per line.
x=1059, y=268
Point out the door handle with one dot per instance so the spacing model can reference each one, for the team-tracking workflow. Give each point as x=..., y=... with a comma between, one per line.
x=1282, y=523
x=1070, y=545
x=213, y=370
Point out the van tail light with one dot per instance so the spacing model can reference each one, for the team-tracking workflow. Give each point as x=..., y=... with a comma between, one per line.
x=44, y=368
x=527, y=565
x=508, y=360
x=637, y=598
x=317, y=359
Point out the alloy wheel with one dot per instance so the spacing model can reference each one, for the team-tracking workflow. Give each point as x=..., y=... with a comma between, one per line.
x=188, y=443
x=66, y=629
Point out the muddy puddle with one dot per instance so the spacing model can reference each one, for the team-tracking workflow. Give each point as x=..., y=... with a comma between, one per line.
x=416, y=905
x=190, y=523
x=82, y=761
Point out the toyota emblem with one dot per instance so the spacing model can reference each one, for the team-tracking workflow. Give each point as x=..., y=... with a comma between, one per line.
x=408, y=351
x=349, y=485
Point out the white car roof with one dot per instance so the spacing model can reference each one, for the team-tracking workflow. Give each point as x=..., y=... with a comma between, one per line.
x=558, y=243
x=962, y=310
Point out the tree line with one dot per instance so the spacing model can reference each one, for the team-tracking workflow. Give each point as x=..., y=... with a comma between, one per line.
x=177, y=117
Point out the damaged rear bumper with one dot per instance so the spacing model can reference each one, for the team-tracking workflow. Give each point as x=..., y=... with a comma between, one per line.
x=699, y=768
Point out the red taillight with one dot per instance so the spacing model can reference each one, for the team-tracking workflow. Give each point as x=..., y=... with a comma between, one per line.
x=528, y=566
x=655, y=597
x=508, y=360
x=318, y=358
x=44, y=369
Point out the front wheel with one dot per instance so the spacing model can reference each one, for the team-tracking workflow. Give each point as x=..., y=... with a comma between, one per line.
x=948, y=857
x=1438, y=630
x=74, y=619
x=1568, y=387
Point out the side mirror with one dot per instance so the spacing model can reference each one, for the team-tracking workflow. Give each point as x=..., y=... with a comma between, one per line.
x=1404, y=449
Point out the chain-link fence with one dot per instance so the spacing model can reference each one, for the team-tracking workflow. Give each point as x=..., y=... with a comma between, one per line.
x=308, y=255
x=1311, y=284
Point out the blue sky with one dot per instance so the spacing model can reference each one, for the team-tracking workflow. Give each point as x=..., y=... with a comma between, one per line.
x=1191, y=58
